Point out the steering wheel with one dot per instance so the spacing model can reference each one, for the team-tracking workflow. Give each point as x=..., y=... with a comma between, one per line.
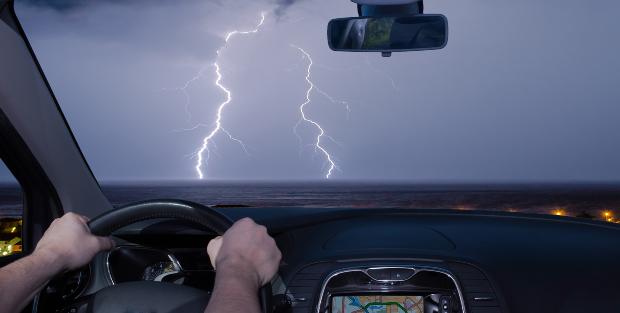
x=157, y=297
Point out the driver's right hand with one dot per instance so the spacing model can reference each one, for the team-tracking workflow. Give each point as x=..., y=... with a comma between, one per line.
x=246, y=250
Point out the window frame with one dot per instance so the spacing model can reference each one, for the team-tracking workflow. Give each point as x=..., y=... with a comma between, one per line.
x=40, y=202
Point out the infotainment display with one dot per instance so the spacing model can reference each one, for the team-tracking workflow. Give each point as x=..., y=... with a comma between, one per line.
x=377, y=304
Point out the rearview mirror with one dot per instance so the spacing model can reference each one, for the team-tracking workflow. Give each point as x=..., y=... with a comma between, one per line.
x=388, y=34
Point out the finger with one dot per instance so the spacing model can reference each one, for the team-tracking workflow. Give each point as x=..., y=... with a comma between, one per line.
x=85, y=221
x=246, y=220
x=79, y=219
x=262, y=229
x=279, y=256
x=213, y=249
x=104, y=243
x=82, y=219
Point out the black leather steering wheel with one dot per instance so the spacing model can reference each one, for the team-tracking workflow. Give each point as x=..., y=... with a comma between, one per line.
x=157, y=297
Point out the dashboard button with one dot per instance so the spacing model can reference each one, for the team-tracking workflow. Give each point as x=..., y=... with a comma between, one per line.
x=401, y=274
x=445, y=304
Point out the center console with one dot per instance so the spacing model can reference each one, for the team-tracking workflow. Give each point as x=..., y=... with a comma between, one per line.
x=390, y=290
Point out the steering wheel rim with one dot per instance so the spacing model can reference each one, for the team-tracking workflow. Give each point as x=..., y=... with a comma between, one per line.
x=203, y=216
x=198, y=214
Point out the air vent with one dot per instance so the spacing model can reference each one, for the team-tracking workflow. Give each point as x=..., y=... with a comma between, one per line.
x=304, y=286
x=479, y=295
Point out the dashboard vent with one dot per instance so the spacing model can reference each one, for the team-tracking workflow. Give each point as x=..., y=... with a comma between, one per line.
x=304, y=286
x=479, y=295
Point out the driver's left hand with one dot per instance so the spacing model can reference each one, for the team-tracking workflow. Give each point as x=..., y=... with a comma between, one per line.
x=69, y=242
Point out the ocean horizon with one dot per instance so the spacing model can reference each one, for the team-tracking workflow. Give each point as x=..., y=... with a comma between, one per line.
x=574, y=199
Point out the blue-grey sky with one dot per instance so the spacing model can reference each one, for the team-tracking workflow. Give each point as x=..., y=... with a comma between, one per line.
x=525, y=90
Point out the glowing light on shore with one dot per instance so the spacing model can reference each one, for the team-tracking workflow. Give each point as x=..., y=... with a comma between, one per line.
x=463, y=208
x=559, y=212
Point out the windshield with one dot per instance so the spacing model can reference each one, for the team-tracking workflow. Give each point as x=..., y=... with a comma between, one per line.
x=243, y=103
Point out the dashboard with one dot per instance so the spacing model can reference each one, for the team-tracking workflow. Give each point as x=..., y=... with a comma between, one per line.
x=385, y=261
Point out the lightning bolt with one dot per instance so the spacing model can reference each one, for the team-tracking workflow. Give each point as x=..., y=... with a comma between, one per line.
x=203, y=152
x=334, y=101
x=184, y=90
x=318, y=146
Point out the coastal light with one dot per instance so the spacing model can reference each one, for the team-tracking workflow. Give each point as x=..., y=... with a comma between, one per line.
x=558, y=212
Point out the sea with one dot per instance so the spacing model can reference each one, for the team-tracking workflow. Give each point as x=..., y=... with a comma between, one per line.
x=582, y=200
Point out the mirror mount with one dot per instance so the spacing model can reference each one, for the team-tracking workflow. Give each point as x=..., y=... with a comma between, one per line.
x=392, y=10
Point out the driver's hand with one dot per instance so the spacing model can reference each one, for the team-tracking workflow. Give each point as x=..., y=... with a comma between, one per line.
x=246, y=250
x=68, y=240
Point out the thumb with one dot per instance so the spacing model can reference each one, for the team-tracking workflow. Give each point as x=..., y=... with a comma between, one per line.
x=213, y=249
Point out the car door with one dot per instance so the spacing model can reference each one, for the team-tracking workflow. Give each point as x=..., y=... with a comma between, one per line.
x=36, y=144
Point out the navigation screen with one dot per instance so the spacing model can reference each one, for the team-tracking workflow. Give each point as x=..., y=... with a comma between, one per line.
x=377, y=304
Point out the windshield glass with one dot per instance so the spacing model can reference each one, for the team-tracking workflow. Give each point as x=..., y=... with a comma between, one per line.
x=243, y=103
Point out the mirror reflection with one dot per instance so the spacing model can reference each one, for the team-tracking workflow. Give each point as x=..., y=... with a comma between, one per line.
x=419, y=32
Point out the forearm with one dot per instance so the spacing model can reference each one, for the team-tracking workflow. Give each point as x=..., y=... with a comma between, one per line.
x=21, y=280
x=234, y=292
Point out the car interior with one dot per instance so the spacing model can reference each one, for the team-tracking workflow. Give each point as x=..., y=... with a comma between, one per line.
x=415, y=260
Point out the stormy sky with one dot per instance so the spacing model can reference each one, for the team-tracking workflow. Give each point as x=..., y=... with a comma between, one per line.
x=524, y=91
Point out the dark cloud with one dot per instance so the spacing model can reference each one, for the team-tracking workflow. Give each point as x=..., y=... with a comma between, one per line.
x=108, y=24
x=58, y=5
x=67, y=5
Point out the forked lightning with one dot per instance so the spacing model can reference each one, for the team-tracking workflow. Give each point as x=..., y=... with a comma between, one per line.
x=318, y=143
x=203, y=152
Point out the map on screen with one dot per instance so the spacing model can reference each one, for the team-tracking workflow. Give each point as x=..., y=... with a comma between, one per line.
x=377, y=304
